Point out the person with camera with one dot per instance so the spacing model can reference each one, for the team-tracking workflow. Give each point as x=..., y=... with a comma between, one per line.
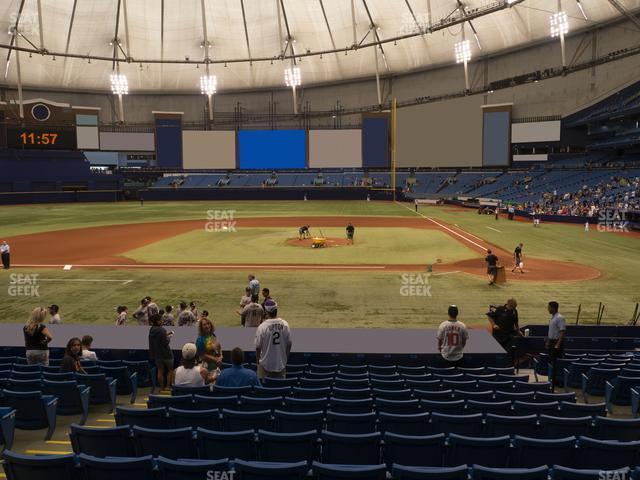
x=504, y=323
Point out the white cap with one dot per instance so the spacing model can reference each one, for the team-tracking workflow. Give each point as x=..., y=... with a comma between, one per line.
x=189, y=351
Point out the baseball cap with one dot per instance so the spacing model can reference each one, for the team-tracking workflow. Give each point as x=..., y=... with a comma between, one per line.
x=189, y=351
x=270, y=305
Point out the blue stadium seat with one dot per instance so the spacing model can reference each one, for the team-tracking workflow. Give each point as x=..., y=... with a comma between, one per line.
x=297, y=366
x=351, y=423
x=360, y=405
x=266, y=392
x=352, y=383
x=519, y=386
x=351, y=393
x=94, y=468
x=343, y=449
x=180, y=390
x=459, y=384
x=607, y=454
x=147, y=418
x=498, y=425
x=382, y=369
x=635, y=401
x=109, y=363
x=203, y=402
x=307, y=382
x=146, y=372
x=220, y=391
x=270, y=470
x=618, y=391
x=428, y=384
x=402, y=472
x=413, y=424
x=481, y=396
x=569, y=409
x=73, y=399
x=498, y=408
x=595, y=380
x=292, y=422
x=253, y=404
x=531, y=452
x=421, y=451
x=103, y=389
x=58, y=377
x=236, y=421
x=16, y=385
x=442, y=370
x=491, y=452
x=484, y=473
x=383, y=393
x=565, y=473
x=34, y=411
x=398, y=384
x=306, y=392
x=209, y=419
x=355, y=369
x=171, y=443
x=102, y=442
x=305, y=405
x=287, y=447
x=504, y=370
x=398, y=406
x=126, y=381
x=215, y=445
x=433, y=395
x=561, y=427
x=512, y=377
x=504, y=385
x=352, y=375
x=16, y=367
x=573, y=373
x=453, y=406
x=533, y=408
x=26, y=375
x=622, y=429
x=470, y=425
x=45, y=467
x=280, y=382
x=544, y=397
x=503, y=396
x=7, y=427
x=322, y=471
x=315, y=367
x=184, y=402
x=189, y=469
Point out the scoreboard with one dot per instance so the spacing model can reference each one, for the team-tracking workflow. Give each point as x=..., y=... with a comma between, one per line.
x=41, y=137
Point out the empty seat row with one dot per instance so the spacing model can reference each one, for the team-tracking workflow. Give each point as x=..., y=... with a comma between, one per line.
x=70, y=467
x=424, y=423
x=368, y=449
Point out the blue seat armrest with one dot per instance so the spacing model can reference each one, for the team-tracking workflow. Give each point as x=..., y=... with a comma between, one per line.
x=85, y=396
x=7, y=425
x=111, y=383
x=635, y=401
x=134, y=386
x=608, y=393
x=50, y=410
x=585, y=380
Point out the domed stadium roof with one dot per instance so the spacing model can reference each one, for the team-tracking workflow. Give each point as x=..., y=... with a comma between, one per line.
x=163, y=44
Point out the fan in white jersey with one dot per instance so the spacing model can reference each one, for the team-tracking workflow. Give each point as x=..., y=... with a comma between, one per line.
x=452, y=338
x=273, y=343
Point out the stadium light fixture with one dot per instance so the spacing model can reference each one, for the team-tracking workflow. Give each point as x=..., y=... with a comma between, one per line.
x=119, y=84
x=208, y=84
x=584, y=14
x=559, y=24
x=463, y=51
x=292, y=77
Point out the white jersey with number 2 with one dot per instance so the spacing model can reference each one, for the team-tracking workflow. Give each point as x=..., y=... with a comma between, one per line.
x=273, y=338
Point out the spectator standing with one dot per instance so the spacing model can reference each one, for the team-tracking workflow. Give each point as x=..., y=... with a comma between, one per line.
x=189, y=374
x=37, y=338
x=167, y=317
x=209, y=348
x=253, y=314
x=273, y=344
x=237, y=375
x=254, y=285
x=555, y=338
x=504, y=323
x=72, y=355
x=159, y=351
x=452, y=338
x=54, y=311
x=87, y=354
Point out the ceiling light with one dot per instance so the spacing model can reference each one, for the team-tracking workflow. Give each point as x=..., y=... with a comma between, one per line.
x=119, y=84
x=463, y=51
x=208, y=84
x=292, y=77
x=559, y=24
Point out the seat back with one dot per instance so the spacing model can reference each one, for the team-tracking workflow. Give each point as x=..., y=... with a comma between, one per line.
x=236, y=421
x=416, y=424
x=67, y=393
x=287, y=447
x=351, y=423
x=291, y=422
x=192, y=469
x=170, y=443
x=94, y=468
x=607, y=454
x=148, y=418
x=102, y=442
x=491, y=452
x=216, y=445
x=122, y=376
x=209, y=419
x=529, y=452
x=345, y=449
x=423, y=451
x=184, y=402
x=50, y=467
x=561, y=427
x=470, y=425
x=98, y=382
x=29, y=407
x=622, y=429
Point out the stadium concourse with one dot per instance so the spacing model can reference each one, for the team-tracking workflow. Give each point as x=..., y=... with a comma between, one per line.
x=430, y=211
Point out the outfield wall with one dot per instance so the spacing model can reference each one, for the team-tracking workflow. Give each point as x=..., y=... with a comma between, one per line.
x=208, y=149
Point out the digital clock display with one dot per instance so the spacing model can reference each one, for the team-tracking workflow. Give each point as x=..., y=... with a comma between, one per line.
x=42, y=138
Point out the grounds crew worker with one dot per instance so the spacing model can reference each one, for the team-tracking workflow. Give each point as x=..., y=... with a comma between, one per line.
x=5, y=252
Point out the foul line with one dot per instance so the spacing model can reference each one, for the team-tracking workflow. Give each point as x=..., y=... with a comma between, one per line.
x=494, y=229
x=444, y=273
x=481, y=247
x=214, y=266
x=124, y=282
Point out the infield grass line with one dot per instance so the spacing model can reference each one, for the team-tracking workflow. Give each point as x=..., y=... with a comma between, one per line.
x=495, y=229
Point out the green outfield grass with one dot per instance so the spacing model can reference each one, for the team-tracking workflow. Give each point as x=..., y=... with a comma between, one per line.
x=269, y=245
x=328, y=298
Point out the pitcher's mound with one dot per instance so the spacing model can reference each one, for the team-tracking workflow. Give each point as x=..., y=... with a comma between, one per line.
x=307, y=242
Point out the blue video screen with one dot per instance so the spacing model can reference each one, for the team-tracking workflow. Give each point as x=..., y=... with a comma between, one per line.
x=272, y=149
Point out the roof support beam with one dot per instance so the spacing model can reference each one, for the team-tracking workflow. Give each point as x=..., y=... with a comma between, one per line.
x=14, y=34
x=632, y=18
x=353, y=22
x=41, y=31
x=126, y=30
x=205, y=42
x=289, y=43
x=374, y=27
x=115, y=39
x=246, y=31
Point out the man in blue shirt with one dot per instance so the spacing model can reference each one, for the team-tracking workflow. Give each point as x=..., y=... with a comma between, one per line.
x=237, y=375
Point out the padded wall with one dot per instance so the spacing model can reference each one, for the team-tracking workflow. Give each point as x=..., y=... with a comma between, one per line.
x=375, y=141
x=440, y=134
x=169, y=142
x=272, y=149
x=208, y=149
x=496, y=139
x=335, y=148
x=127, y=142
x=531, y=132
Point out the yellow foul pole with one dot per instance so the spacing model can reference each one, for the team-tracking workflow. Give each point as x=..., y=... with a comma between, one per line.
x=393, y=148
